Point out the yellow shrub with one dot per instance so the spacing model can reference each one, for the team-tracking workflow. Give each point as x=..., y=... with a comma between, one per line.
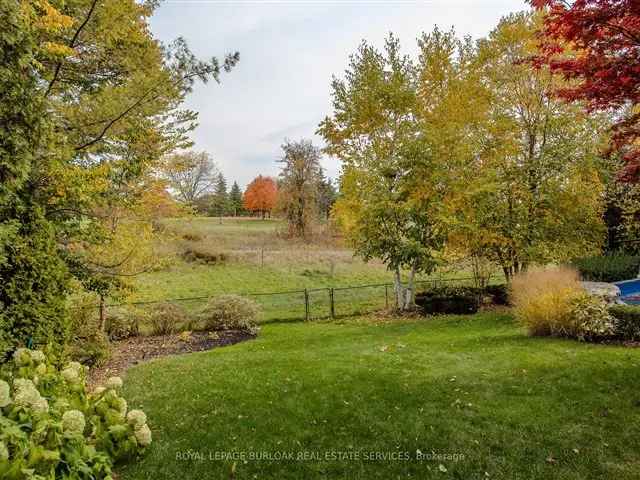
x=543, y=300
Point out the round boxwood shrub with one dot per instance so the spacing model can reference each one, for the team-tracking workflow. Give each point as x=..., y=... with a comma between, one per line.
x=51, y=427
x=166, y=318
x=230, y=312
x=627, y=321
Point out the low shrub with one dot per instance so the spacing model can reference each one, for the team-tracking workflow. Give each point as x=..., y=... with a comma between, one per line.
x=122, y=324
x=230, y=312
x=543, y=300
x=499, y=294
x=608, y=268
x=448, y=299
x=167, y=318
x=50, y=427
x=87, y=343
x=203, y=254
x=627, y=321
x=92, y=349
x=592, y=319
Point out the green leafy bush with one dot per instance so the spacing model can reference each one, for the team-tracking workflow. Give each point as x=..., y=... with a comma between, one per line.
x=608, y=268
x=87, y=343
x=449, y=299
x=122, y=324
x=166, y=318
x=230, y=312
x=627, y=321
x=34, y=282
x=499, y=294
x=52, y=428
x=592, y=319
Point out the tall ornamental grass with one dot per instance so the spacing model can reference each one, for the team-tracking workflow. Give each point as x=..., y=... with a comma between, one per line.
x=543, y=300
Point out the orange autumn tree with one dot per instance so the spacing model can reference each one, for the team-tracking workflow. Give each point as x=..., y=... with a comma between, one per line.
x=261, y=195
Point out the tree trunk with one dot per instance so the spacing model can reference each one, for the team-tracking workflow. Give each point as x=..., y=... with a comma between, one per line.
x=103, y=319
x=405, y=294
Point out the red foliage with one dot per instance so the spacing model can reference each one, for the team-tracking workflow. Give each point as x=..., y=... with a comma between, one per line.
x=261, y=195
x=604, y=64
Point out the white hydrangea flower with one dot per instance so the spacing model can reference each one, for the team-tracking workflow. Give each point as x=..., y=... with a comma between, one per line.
x=77, y=366
x=38, y=356
x=4, y=452
x=29, y=397
x=41, y=369
x=21, y=384
x=70, y=375
x=40, y=405
x=114, y=383
x=21, y=357
x=143, y=435
x=73, y=422
x=136, y=418
x=5, y=394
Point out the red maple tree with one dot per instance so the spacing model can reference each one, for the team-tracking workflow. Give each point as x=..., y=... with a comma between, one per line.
x=603, y=63
x=261, y=195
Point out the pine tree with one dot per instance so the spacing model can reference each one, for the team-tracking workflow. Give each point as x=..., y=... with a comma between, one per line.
x=220, y=204
x=235, y=199
x=34, y=276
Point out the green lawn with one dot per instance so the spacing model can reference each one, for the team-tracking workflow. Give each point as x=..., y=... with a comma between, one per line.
x=476, y=389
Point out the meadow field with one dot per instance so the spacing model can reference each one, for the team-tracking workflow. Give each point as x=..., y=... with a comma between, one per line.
x=257, y=260
x=207, y=256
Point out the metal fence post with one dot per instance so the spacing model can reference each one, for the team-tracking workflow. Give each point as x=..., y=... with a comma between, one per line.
x=306, y=305
x=332, y=303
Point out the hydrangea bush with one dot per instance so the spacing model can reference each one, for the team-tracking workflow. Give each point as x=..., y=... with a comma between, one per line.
x=51, y=427
x=593, y=321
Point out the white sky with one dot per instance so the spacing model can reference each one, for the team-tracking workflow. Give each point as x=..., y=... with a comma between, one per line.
x=289, y=49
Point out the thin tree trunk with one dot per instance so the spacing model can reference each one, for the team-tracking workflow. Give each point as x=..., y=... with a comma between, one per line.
x=507, y=273
x=405, y=294
x=397, y=286
x=102, y=314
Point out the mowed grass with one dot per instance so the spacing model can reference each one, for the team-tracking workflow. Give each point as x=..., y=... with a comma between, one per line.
x=358, y=400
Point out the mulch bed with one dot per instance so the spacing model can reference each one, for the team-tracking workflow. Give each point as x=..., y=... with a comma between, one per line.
x=129, y=352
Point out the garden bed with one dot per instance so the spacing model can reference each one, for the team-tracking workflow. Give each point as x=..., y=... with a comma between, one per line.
x=131, y=351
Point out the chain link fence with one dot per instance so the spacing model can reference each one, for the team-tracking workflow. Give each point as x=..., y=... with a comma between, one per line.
x=297, y=305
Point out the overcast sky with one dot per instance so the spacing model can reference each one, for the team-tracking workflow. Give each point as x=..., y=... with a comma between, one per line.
x=289, y=49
